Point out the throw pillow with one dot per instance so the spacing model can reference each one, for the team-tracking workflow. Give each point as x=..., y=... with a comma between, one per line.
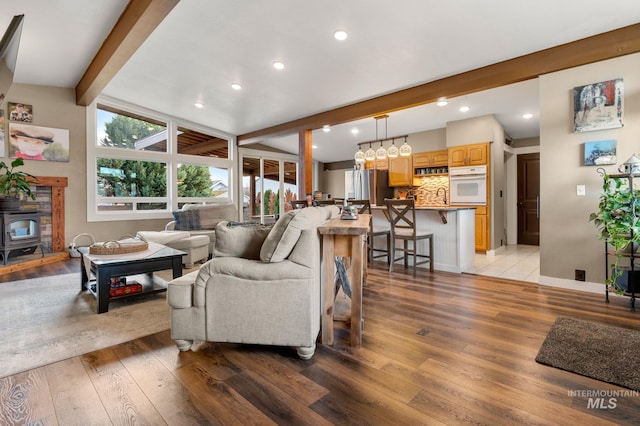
x=276, y=238
x=285, y=233
x=235, y=239
x=187, y=220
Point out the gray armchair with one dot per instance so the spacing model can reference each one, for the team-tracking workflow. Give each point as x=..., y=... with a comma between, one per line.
x=262, y=286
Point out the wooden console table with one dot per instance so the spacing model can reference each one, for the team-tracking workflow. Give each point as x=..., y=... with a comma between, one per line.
x=343, y=238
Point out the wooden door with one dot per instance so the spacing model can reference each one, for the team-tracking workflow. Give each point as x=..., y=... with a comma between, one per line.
x=529, y=199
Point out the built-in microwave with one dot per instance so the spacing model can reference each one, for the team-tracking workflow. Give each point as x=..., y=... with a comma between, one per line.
x=468, y=185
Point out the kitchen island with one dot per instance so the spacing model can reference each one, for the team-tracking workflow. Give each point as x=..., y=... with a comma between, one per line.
x=453, y=231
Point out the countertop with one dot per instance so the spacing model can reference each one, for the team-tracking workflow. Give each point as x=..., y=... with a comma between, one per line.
x=436, y=208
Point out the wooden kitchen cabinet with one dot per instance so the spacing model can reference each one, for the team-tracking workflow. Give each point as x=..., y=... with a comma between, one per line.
x=431, y=158
x=482, y=236
x=400, y=171
x=377, y=164
x=469, y=155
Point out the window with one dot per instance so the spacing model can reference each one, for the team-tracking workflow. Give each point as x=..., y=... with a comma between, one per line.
x=142, y=165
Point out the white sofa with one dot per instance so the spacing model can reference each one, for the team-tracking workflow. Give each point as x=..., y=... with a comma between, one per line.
x=201, y=219
x=261, y=287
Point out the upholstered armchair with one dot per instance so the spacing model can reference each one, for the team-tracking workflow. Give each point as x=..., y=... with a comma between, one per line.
x=262, y=286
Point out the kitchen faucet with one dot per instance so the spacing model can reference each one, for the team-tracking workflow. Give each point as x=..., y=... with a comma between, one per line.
x=445, y=193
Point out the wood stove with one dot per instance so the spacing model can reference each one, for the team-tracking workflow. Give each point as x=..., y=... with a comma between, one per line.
x=20, y=233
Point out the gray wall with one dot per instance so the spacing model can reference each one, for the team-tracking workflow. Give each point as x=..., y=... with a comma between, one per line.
x=56, y=107
x=567, y=238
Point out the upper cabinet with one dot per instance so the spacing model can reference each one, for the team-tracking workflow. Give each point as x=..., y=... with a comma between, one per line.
x=468, y=155
x=430, y=159
x=377, y=164
x=400, y=171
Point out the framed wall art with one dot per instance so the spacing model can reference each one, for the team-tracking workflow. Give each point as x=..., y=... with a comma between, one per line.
x=38, y=143
x=20, y=112
x=598, y=106
x=600, y=153
x=2, y=132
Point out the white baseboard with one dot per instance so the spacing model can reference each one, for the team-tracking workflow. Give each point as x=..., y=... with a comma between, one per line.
x=572, y=284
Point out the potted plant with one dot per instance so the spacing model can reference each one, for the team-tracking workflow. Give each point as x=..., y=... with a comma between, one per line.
x=14, y=185
x=618, y=223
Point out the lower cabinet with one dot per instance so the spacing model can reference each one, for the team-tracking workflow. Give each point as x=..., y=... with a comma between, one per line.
x=481, y=232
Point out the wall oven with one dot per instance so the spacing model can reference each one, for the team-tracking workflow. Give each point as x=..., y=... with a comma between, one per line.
x=468, y=185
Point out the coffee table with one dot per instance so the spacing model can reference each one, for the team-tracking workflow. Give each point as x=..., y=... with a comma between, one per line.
x=135, y=267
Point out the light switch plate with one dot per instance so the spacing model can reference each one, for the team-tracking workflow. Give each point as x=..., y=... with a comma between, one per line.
x=581, y=190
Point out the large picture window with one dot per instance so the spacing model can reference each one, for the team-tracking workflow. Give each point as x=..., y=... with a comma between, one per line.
x=142, y=165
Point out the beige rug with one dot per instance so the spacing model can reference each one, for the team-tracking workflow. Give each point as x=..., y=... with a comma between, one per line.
x=46, y=320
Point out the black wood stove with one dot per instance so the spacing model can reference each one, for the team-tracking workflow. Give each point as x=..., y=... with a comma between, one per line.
x=20, y=233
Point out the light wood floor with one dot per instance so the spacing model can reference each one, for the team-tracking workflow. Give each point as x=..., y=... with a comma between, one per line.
x=437, y=349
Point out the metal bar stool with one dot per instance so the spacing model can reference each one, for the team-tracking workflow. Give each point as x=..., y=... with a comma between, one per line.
x=402, y=216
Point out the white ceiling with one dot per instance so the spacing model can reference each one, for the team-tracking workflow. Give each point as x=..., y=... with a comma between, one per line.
x=205, y=45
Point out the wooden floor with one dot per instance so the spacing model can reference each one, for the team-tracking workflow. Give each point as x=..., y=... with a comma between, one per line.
x=437, y=349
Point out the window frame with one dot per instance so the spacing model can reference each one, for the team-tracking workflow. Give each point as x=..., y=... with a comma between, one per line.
x=171, y=158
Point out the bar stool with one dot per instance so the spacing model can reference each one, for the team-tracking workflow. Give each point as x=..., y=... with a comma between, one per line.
x=364, y=206
x=329, y=202
x=402, y=216
x=299, y=204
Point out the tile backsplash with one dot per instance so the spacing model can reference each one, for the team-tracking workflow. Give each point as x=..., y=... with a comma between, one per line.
x=425, y=194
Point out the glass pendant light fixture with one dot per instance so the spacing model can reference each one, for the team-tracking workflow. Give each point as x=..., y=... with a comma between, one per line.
x=405, y=149
x=370, y=154
x=381, y=153
x=359, y=157
x=393, y=151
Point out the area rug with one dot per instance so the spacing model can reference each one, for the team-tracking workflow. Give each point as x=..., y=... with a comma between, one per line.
x=46, y=320
x=602, y=352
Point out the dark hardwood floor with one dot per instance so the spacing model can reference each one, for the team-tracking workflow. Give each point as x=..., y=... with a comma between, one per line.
x=437, y=349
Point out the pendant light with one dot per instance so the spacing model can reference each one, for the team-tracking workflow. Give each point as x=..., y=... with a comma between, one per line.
x=405, y=149
x=370, y=154
x=393, y=151
x=381, y=153
x=359, y=157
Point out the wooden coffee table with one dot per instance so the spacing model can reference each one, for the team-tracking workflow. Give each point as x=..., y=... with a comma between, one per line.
x=139, y=269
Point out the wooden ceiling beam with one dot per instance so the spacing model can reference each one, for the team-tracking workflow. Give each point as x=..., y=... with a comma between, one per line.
x=612, y=44
x=138, y=20
x=205, y=146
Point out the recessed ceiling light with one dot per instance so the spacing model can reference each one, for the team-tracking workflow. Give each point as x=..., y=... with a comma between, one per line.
x=314, y=146
x=464, y=108
x=279, y=65
x=198, y=105
x=340, y=35
x=236, y=86
x=326, y=128
x=442, y=102
x=527, y=116
x=355, y=131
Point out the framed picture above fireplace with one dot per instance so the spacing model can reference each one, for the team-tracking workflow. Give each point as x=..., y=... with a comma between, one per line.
x=38, y=143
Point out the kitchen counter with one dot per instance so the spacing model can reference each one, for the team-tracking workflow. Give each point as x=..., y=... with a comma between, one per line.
x=453, y=231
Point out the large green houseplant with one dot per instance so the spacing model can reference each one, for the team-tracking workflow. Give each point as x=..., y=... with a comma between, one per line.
x=14, y=184
x=617, y=221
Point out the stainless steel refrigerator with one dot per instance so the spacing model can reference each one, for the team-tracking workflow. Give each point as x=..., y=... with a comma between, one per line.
x=372, y=185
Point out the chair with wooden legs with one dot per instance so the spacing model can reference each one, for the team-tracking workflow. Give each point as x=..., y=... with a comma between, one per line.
x=299, y=204
x=402, y=217
x=364, y=206
x=329, y=202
